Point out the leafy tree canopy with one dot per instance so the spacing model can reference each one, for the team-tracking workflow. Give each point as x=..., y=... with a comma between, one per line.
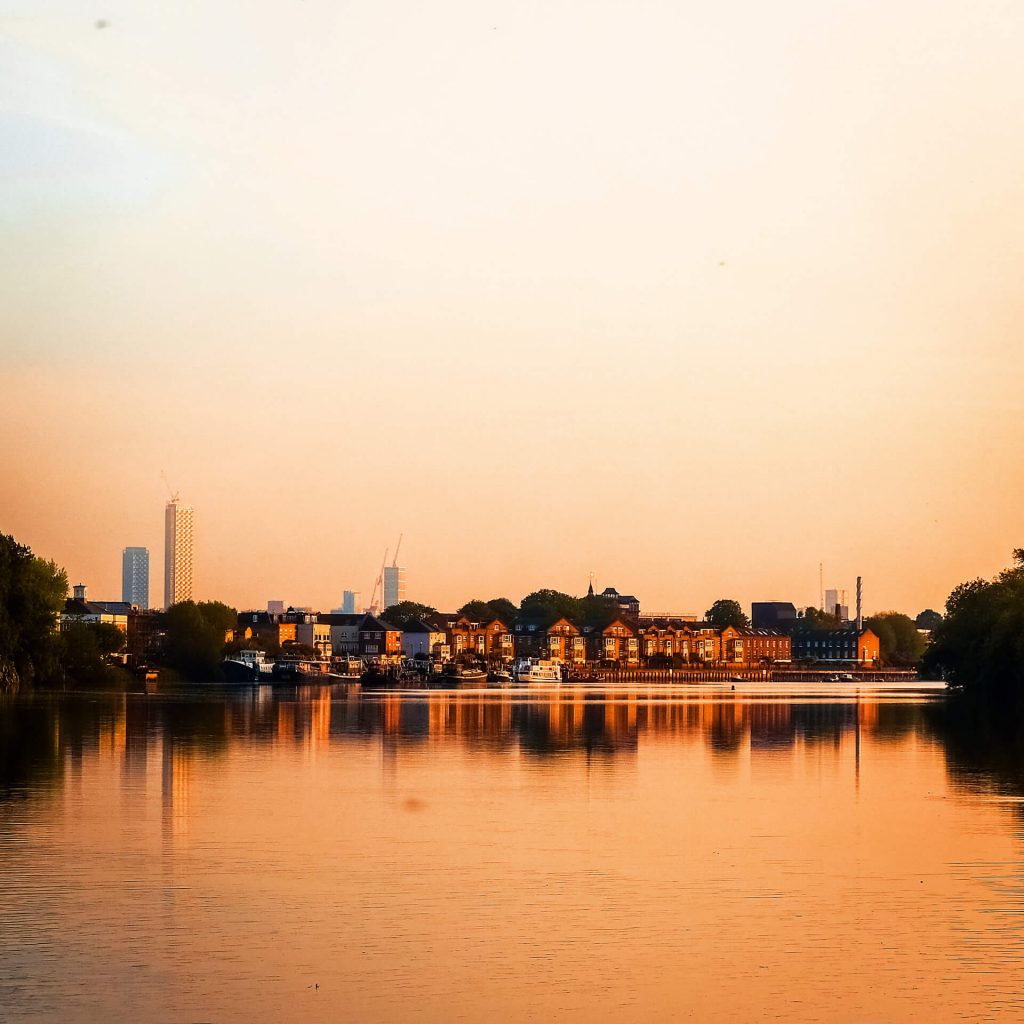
x=484, y=611
x=32, y=595
x=928, y=619
x=899, y=642
x=979, y=645
x=504, y=609
x=813, y=618
x=549, y=605
x=404, y=612
x=86, y=648
x=196, y=637
x=725, y=612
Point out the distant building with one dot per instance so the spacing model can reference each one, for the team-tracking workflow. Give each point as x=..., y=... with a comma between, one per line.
x=850, y=646
x=628, y=604
x=755, y=646
x=379, y=640
x=489, y=641
x=617, y=643
x=177, y=552
x=834, y=605
x=135, y=576
x=421, y=638
x=80, y=609
x=773, y=615
x=275, y=607
x=350, y=602
x=394, y=585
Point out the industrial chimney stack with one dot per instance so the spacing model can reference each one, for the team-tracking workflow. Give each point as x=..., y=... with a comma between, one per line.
x=860, y=610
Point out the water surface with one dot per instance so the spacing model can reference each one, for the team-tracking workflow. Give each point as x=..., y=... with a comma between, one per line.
x=700, y=853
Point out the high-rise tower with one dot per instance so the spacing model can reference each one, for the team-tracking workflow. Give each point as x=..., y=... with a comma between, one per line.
x=135, y=576
x=394, y=585
x=177, y=552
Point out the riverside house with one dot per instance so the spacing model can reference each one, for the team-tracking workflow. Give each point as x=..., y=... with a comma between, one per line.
x=489, y=641
x=565, y=643
x=379, y=640
x=421, y=638
x=617, y=642
x=742, y=646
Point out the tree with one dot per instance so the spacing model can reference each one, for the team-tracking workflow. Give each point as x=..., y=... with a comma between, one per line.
x=32, y=595
x=505, y=610
x=196, y=637
x=928, y=619
x=813, y=618
x=978, y=647
x=551, y=605
x=86, y=650
x=899, y=642
x=477, y=611
x=725, y=612
x=404, y=612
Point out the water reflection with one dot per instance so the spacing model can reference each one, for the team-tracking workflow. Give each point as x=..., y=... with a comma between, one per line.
x=46, y=736
x=704, y=854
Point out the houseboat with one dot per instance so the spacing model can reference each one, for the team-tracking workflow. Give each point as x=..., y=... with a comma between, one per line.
x=247, y=667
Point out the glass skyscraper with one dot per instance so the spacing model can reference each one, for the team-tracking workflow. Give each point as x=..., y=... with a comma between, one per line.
x=394, y=585
x=135, y=576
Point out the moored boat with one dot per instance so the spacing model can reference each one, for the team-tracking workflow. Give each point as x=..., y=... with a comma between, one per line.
x=247, y=667
x=538, y=671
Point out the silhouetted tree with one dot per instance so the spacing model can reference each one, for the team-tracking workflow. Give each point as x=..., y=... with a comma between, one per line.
x=551, y=604
x=813, y=618
x=928, y=619
x=979, y=645
x=725, y=612
x=196, y=637
x=86, y=649
x=899, y=642
x=404, y=612
x=32, y=595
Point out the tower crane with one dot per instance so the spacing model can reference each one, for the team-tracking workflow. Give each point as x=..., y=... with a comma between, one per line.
x=378, y=583
x=170, y=490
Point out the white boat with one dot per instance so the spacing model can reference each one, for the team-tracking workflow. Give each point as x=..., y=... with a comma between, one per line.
x=537, y=670
x=347, y=670
x=247, y=666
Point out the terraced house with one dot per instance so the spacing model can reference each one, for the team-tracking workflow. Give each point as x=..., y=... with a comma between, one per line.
x=491, y=641
x=744, y=646
x=617, y=643
x=565, y=643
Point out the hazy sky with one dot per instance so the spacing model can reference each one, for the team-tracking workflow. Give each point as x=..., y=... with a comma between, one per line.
x=693, y=296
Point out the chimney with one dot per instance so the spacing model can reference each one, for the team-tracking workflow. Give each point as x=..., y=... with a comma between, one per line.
x=860, y=610
x=79, y=589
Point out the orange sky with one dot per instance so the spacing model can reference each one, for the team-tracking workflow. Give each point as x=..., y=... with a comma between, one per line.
x=692, y=298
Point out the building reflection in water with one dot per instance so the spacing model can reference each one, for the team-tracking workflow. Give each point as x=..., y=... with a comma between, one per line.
x=48, y=737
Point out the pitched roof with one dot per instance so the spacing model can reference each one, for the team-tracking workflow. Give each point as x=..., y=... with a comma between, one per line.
x=76, y=607
x=378, y=625
x=342, y=618
x=418, y=626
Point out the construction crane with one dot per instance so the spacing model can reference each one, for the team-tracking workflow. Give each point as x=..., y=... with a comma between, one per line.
x=378, y=583
x=173, y=493
x=394, y=562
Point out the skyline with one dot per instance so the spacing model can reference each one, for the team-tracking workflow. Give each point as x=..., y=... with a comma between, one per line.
x=691, y=298
x=394, y=578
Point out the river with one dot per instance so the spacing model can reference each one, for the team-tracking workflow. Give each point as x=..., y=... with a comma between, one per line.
x=694, y=854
